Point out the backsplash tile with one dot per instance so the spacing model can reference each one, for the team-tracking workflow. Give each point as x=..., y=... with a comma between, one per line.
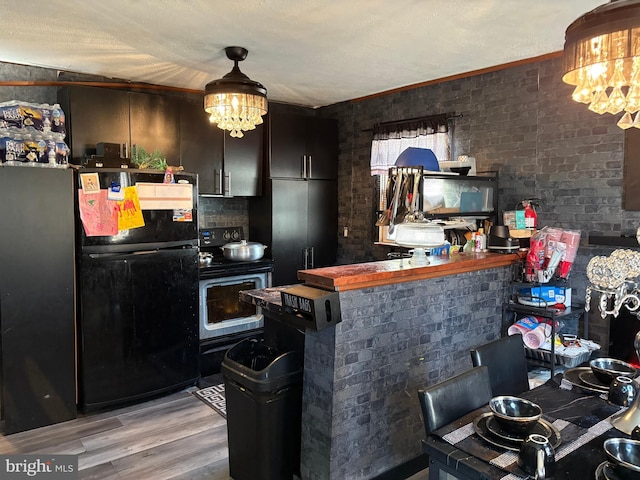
x=223, y=212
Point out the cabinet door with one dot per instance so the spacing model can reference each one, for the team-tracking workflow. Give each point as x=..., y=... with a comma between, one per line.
x=243, y=162
x=155, y=124
x=322, y=148
x=37, y=303
x=288, y=144
x=289, y=229
x=94, y=115
x=322, y=221
x=201, y=146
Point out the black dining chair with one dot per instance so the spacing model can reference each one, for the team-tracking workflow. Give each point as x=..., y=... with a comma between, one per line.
x=505, y=358
x=450, y=399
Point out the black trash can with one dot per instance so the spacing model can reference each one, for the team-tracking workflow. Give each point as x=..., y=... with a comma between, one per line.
x=263, y=390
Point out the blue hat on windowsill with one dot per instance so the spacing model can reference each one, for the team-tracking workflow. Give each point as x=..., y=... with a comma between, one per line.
x=418, y=157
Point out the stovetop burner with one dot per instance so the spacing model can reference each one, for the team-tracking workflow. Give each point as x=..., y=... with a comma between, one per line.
x=211, y=239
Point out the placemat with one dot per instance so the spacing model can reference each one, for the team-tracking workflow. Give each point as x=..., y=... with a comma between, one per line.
x=580, y=418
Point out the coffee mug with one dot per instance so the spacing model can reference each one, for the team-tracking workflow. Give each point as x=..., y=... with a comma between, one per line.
x=622, y=391
x=537, y=457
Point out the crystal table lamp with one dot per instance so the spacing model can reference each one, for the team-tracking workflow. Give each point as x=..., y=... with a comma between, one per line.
x=616, y=279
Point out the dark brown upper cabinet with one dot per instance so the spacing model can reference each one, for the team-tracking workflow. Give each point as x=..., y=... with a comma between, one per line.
x=243, y=163
x=155, y=124
x=303, y=146
x=177, y=126
x=95, y=115
x=201, y=146
x=226, y=166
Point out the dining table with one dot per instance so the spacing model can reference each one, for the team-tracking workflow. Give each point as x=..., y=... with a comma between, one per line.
x=578, y=422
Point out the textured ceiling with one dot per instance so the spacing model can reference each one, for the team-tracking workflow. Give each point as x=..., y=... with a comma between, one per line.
x=307, y=52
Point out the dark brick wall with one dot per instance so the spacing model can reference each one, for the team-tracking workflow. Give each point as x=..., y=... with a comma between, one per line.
x=520, y=121
x=11, y=71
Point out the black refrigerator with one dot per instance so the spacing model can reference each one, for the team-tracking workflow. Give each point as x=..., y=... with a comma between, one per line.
x=137, y=301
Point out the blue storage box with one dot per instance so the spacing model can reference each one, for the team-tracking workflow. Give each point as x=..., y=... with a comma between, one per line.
x=550, y=295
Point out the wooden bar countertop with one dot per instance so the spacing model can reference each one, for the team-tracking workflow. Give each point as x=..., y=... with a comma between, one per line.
x=386, y=272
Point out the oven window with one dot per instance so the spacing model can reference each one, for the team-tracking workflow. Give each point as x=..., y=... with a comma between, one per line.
x=223, y=302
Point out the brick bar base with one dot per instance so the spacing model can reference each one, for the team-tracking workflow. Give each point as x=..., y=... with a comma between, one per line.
x=361, y=415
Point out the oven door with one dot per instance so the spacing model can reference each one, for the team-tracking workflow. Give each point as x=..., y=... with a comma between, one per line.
x=222, y=312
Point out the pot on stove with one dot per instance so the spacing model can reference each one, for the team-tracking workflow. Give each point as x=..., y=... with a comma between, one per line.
x=205, y=259
x=243, y=251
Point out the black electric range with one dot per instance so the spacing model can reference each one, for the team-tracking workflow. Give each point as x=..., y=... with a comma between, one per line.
x=210, y=241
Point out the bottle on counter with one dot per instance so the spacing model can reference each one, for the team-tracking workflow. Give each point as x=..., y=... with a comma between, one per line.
x=470, y=246
x=480, y=241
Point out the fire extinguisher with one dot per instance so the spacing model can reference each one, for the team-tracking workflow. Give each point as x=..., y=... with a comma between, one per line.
x=530, y=216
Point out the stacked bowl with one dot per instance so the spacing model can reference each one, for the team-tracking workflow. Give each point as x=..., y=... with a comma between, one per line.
x=514, y=414
x=608, y=369
x=623, y=455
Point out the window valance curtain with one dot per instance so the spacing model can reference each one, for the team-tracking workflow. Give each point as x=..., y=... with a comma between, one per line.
x=390, y=139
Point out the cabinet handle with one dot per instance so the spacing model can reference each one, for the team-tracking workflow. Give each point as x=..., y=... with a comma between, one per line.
x=310, y=171
x=227, y=184
x=304, y=166
x=218, y=180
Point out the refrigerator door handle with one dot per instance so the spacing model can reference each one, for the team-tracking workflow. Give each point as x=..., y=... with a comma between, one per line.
x=123, y=255
x=312, y=255
x=304, y=166
x=309, y=169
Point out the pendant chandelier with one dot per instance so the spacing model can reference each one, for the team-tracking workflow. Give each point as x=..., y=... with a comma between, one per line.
x=602, y=59
x=235, y=102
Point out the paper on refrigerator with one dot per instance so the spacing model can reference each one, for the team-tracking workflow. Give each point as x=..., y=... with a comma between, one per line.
x=165, y=196
x=98, y=214
x=129, y=211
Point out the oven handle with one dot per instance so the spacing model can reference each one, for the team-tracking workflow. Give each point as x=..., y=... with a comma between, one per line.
x=207, y=273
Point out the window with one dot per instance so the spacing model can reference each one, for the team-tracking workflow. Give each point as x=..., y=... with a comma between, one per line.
x=391, y=139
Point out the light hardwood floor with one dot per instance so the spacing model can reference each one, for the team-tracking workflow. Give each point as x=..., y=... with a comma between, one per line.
x=174, y=437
